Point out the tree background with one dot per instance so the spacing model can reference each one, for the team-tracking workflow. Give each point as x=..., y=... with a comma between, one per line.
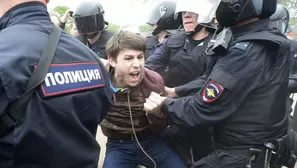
x=146, y=29
x=60, y=10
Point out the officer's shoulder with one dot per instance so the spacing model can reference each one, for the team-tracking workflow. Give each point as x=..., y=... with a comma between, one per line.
x=242, y=46
x=107, y=33
x=151, y=39
x=14, y=32
x=81, y=38
x=178, y=35
x=176, y=40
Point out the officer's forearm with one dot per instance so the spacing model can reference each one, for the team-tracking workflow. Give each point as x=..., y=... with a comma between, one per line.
x=159, y=60
x=190, y=88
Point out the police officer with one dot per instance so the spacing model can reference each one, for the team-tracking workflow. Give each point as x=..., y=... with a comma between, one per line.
x=58, y=125
x=161, y=18
x=90, y=24
x=247, y=77
x=183, y=54
x=280, y=20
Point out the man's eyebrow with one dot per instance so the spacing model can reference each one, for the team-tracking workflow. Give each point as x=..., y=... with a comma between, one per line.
x=133, y=55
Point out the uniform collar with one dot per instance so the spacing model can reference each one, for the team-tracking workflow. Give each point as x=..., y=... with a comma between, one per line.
x=251, y=27
x=22, y=13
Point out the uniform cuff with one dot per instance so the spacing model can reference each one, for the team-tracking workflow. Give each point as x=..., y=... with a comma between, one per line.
x=179, y=90
x=167, y=102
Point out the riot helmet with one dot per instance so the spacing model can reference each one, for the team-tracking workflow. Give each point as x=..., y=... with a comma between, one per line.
x=205, y=9
x=89, y=18
x=231, y=12
x=162, y=15
x=280, y=19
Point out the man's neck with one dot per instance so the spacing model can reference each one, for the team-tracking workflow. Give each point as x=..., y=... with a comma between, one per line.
x=93, y=40
x=201, y=34
x=116, y=82
x=6, y=5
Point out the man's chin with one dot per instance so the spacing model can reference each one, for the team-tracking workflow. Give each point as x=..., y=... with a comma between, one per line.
x=135, y=84
x=189, y=29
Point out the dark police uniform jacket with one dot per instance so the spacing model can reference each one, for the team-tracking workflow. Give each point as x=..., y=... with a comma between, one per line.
x=293, y=67
x=185, y=60
x=59, y=124
x=152, y=43
x=99, y=46
x=244, y=97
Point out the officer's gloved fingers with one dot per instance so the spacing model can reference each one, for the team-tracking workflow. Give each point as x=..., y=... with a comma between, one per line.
x=292, y=138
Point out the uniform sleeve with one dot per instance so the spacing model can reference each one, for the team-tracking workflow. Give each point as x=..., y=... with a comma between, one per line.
x=293, y=57
x=292, y=85
x=190, y=88
x=159, y=60
x=233, y=77
x=3, y=99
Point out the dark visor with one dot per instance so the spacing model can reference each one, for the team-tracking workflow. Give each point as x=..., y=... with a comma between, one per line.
x=89, y=24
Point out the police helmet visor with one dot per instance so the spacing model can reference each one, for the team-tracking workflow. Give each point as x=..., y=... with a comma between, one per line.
x=205, y=9
x=89, y=24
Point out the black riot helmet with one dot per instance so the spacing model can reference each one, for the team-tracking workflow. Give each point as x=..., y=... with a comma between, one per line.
x=231, y=12
x=89, y=18
x=162, y=14
x=280, y=19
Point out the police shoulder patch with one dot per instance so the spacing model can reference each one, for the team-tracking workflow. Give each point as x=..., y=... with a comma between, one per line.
x=242, y=45
x=72, y=77
x=212, y=91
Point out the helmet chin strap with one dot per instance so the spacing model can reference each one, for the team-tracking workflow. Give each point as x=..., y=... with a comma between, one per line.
x=156, y=31
x=196, y=30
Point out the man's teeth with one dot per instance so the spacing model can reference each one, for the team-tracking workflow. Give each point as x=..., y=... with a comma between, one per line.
x=134, y=73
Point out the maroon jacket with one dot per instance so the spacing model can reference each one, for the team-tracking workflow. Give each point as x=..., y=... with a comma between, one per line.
x=117, y=120
x=153, y=82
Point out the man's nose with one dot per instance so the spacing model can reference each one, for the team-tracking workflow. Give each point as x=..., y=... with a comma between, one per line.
x=187, y=14
x=136, y=63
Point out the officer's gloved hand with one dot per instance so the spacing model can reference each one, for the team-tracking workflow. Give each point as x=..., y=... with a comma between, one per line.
x=292, y=141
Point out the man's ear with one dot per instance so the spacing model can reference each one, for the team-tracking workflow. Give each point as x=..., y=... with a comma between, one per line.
x=112, y=61
x=47, y=1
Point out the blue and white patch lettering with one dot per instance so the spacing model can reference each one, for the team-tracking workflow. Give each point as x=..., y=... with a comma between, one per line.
x=72, y=77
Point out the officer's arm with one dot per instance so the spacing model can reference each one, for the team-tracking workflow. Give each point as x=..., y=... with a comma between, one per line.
x=3, y=99
x=159, y=60
x=292, y=86
x=190, y=88
x=234, y=76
